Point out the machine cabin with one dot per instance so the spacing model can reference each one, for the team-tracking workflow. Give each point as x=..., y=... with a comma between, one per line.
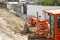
x=54, y=21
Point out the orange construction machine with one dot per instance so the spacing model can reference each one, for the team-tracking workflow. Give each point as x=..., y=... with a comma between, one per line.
x=42, y=28
x=50, y=27
x=54, y=21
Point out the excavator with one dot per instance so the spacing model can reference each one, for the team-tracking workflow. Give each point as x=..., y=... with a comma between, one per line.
x=49, y=27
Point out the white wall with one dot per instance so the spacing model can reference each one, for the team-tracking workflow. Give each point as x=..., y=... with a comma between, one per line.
x=32, y=9
x=12, y=2
x=22, y=0
x=9, y=6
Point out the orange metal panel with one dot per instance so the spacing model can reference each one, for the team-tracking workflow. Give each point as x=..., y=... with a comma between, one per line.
x=56, y=13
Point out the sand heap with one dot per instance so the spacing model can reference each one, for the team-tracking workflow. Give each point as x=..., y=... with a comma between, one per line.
x=9, y=23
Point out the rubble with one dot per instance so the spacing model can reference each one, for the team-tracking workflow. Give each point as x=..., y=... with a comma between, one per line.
x=10, y=24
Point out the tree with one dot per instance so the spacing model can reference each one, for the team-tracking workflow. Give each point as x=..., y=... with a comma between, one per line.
x=49, y=2
x=58, y=2
x=38, y=2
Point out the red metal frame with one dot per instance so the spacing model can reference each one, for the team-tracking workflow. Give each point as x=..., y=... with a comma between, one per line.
x=56, y=29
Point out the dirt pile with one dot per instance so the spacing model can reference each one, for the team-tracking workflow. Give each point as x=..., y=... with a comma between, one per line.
x=9, y=23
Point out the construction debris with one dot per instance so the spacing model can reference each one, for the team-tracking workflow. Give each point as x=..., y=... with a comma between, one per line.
x=10, y=24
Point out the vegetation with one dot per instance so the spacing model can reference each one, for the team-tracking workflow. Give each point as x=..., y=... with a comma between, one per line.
x=58, y=2
x=49, y=2
x=38, y=2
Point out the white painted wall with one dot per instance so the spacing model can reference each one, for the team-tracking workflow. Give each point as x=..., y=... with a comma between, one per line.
x=32, y=9
x=22, y=0
x=9, y=6
x=12, y=2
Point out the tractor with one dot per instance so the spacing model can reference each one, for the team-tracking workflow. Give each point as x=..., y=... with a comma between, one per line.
x=42, y=28
x=49, y=27
x=54, y=21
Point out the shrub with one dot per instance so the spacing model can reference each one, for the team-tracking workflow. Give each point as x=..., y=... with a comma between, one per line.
x=49, y=2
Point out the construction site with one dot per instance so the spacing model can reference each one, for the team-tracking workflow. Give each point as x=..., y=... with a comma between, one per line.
x=29, y=20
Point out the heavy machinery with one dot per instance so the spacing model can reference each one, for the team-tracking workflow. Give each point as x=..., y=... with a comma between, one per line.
x=42, y=28
x=54, y=18
x=50, y=27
